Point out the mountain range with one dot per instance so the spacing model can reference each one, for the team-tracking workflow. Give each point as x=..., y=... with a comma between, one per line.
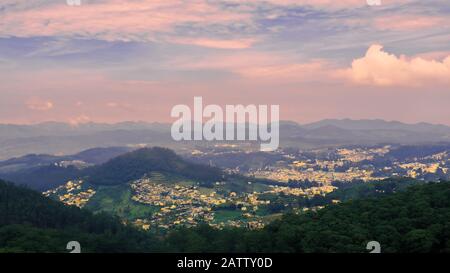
x=62, y=139
x=103, y=166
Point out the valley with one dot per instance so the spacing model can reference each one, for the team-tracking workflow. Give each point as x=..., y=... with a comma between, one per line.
x=223, y=186
x=253, y=190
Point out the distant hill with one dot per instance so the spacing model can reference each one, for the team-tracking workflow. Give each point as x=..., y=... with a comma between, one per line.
x=90, y=156
x=329, y=132
x=28, y=162
x=62, y=138
x=414, y=151
x=378, y=124
x=43, y=172
x=136, y=164
x=100, y=155
x=338, y=132
x=243, y=161
x=44, y=177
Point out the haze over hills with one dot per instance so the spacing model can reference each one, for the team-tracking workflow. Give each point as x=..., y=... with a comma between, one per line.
x=91, y=156
x=378, y=124
x=103, y=166
x=62, y=139
x=42, y=172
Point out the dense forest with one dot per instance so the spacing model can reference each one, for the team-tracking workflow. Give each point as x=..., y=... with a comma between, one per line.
x=43, y=177
x=30, y=222
x=359, y=190
x=415, y=219
x=134, y=165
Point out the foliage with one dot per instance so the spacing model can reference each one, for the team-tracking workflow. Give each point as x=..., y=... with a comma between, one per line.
x=30, y=222
x=43, y=178
x=116, y=200
x=416, y=219
x=351, y=191
x=135, y=165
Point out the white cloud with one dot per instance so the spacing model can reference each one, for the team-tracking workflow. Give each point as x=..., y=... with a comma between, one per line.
x=380, y=68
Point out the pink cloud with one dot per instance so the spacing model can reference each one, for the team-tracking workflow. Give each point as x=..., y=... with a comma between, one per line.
x=261, y=66
x=226, y=61
x=321, y=3
x=120, y=105
x=287, y=72
x=433, y=55
x=214, y=43
x=143, y=20
x=326, y=4
x=409, y=22
x=75, y=121
x=39, y=104
x=138, y=20
x=380, y=68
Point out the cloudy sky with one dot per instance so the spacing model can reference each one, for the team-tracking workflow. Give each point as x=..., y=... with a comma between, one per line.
x=117, y=60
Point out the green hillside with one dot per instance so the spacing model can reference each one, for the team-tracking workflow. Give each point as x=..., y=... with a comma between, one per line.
x=134, y=165
x=351, y=191
x=416, y=219
x=30, y=222
x=116, y=200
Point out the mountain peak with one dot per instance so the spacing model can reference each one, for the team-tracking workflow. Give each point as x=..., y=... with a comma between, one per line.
x=136, y=164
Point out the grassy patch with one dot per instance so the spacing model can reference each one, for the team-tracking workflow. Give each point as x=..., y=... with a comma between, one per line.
x=225, y=215
x=117, y=200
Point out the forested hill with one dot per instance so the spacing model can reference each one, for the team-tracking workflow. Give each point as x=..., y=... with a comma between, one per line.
x=414, y=220
x=134, y=165
x=30, y=222
x=361, y=190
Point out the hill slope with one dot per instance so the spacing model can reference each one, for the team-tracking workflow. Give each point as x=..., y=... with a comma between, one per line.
x=30, y=222
x=44, y=172
x=415, y=220
x=134, y=165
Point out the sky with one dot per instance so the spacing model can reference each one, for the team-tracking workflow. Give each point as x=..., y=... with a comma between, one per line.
x=117, y=60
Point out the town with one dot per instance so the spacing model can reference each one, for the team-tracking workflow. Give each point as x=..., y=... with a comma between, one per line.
x=299, y=175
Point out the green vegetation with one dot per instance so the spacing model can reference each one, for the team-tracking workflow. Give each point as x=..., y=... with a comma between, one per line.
x=416, y=219
x=30, y=222
x=170, y=178
x=135, y=165
x=225, y=215
x=43, y=178
x=352, y=191
x=116, y=200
